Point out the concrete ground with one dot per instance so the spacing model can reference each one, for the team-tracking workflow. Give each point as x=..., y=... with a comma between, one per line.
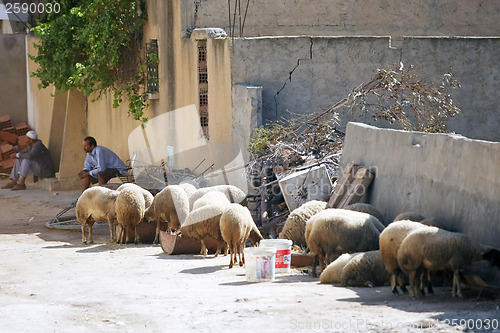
x=51, y=282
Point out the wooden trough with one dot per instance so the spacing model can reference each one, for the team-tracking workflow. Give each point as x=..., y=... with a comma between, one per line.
x=174, y=244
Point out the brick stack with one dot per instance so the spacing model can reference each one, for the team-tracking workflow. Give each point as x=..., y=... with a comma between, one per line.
x=11, y=136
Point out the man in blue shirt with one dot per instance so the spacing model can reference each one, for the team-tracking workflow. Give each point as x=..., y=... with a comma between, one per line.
x=101, y=164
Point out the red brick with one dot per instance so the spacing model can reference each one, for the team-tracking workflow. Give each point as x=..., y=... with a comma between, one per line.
x=22, y=142
x=5, y=121
x=9, y=137
x=21, y=128
x=7, y=165
x=6, y=150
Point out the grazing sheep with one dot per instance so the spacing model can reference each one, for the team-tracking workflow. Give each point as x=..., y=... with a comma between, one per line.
x=204, y=223
x=336, y=231
x=295, y=225
x=333, y=272
x=390, y=240
x=189, y=187
x=368, y=209
x=233, y=193
x=255, y=235
x=171, y=205
x=235, y=225
x=412, y=216
x=436, y=249
x=148, y=197
x=365, y=270
x=211, y=198
x=97, y=204
x=130, y=207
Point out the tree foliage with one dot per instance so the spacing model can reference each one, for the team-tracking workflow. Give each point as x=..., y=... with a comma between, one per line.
x=94, y=46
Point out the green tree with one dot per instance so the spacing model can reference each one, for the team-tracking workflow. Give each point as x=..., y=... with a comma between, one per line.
x=95, y=47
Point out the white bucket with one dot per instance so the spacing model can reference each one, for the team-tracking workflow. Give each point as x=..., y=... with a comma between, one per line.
x=283, y=253
x=259, y=263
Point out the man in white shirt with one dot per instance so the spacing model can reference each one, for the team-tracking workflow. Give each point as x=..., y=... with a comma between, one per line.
x=101, y=164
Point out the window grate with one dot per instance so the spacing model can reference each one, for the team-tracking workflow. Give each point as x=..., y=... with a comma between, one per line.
x=203, y=86
x=152, y=61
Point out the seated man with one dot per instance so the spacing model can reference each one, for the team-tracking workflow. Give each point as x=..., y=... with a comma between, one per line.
x=35, y=159
x=101, y=164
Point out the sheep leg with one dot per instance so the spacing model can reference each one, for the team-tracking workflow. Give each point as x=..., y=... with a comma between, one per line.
x=120, y=238
x=84, y=240
x=90, y=233
x=401, y=282
x=157, y=231
x=393, y=284
x=111, y=230
x=412, y=276
x=204, y=250
x=429, y=283
x=136, y=236
x=240, y=255
x=455, y=291
x=315, y=263
x=231, y=262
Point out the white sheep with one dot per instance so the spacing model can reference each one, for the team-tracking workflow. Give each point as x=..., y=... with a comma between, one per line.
x=368, y=209
x=412, y=216
x=365, y=270
x=436, y=249
x=189, y=187
x=233, y=193
x=130, y=207
x=333, y=272
x=235, y=225
x=390, y=240
x=171, y=205
x=97, y=204
x=295, y=225
x=210, y=198
x=337, y=231
x=148, y=197
x=204, y=223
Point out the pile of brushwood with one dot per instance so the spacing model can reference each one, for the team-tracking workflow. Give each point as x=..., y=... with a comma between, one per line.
x=396, y=96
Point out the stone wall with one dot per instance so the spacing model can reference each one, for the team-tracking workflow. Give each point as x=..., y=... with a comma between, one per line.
x=449, y=177
x=347, y=17
x=309, y=74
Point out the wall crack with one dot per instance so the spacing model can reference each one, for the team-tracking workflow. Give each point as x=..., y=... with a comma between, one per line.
x=289, y=79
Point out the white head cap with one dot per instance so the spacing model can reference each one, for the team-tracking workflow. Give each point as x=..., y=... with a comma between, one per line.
x=32, y=135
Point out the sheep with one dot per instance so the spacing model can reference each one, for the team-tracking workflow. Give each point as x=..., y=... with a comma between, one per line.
x=204, y=223
x=148, y=197
x=412, y=216
x=365, y=270
x=130, y=207
x=434, y=222
x=235, y=225
x=367, y=208
x=189, y=187
x=255, y=235
x=295, y=225
x=171, y=205
x=435, y=249
x=336, y=231
x=333, y=272
x=97, y=204
x=233, y=193
x=389, y=241
x=209, y=198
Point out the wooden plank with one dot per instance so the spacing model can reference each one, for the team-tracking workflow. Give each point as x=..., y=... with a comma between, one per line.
x=357, y=188
x=343, y=185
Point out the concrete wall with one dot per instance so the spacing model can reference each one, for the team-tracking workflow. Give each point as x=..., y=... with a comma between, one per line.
x=449, y=177
x=349, y=17
x=308, y=74
x=178, y=91
x=13, y=77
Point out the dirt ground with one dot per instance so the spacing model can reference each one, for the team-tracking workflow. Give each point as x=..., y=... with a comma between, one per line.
x=51, y=282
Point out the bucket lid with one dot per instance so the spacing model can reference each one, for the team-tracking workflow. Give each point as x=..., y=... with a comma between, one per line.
x=259, y=250
x=274, y=242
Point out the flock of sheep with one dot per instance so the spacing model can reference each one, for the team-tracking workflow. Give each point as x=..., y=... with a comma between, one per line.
x=211, y=212
x=360, y=249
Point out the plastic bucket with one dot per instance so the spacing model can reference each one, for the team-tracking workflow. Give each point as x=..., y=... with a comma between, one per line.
x=259, y=263
x=283, y=253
